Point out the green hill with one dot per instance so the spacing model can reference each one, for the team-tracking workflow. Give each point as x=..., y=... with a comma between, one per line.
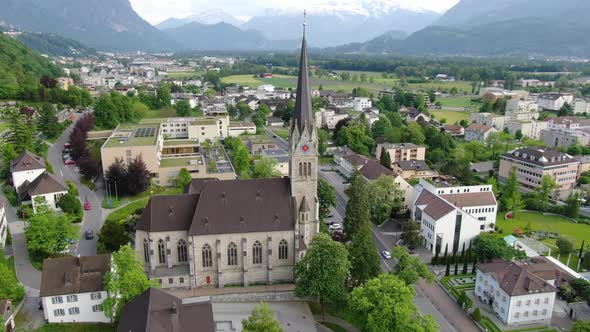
x=54, y=45
x=21, y=67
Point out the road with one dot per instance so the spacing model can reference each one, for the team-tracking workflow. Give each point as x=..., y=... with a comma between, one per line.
x=93, y=218
x=424, y=295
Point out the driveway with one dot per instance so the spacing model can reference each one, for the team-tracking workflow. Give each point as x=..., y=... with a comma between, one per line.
x=92, y=219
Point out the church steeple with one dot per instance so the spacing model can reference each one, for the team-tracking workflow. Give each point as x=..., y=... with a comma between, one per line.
x=303, y=117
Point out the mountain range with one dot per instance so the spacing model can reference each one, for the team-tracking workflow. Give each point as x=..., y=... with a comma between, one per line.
x=501, y=27
x=208, y=16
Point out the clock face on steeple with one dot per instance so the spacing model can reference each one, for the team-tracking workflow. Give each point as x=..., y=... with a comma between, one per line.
x=305, y=148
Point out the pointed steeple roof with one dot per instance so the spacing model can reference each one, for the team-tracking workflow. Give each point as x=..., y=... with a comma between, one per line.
x=303, y=110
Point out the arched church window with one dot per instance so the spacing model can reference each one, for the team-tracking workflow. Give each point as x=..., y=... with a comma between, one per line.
x=257, y=253
x=283, y=249
x=146, y=251
x=161, y=252
x=207, y=258
x=232, y=254
x=182, y=252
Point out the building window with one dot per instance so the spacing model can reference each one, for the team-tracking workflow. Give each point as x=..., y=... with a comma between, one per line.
x=206, y=253
x=57, y=299
x=535, y=312
x=528, y=302
x=96, y=308
x=526, y=314
x=504, y=298
x=257, y=253
x=161, y=252
x=537, y=301
x=546, y=300
x=300, y=169
x=146, y=251
x=518, y=303
x=170, y=281
x=95, y=296
x=182, y=254
x=517, y=315
x=544, y=312
x=232, y=254
x=59, y=312
x=72, y=298
x=181, y=280
x=283, y=249
x=309, y=169
x=74, y=311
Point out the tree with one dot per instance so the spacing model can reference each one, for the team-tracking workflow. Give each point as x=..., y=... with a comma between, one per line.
x=411, y=236
x=515, y=203
x=381, y=126
x=323, y=270
x=413, y=133
x=241, y=160
x=386, y=303
x=184, y=178
x=326, y=197
x=47, y=121
x=385, y=158
x=488, y=246
x=323, y=137
x=464, y=301
x=21, y=129
x=69, y=203
x=112, y=236
x=357, y=209
x=261, y=320
x=545, y=191
x=476, y=315
x=564, y=245
x=265, y=168
x=518, y=135
x=409, y=268
x=365, y=262
x=124, y=281
x=10, y=288
x=137, y=176
x=572, y=208
x=581, y=326
x=384, y=196
x=566, y=110
x=183, y=107
x=48, y=233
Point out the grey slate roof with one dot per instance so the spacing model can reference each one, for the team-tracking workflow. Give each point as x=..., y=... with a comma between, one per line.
x=168, y=213
x=434, y=206
x=540, y=157
x=74, y=275
x=303, y=111
x=45, y=183
x=157, y=311
x=27, y=161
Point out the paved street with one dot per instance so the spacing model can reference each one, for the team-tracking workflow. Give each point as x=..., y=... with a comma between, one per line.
x=92, y=219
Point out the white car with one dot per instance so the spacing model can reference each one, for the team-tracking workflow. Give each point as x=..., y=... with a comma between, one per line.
x=335, y=227
x=386, y=254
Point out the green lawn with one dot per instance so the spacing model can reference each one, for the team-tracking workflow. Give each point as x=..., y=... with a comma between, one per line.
x=9, y=262
x=184, y=75
x=281, y=132
x=546, y=223
x=74, y=327
x=249, y=80
x=463, y=87
x=459, y=102
x=127, y=210
x=451, y=116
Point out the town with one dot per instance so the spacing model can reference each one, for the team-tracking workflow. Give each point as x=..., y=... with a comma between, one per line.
x=223, y=191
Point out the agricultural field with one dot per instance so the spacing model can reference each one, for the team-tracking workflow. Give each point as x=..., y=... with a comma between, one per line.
x=464, y=102
x=451, y=116
x=463, y=87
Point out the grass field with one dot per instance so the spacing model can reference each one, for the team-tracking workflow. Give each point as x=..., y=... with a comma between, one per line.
x=281, y=132
x=546, y=223
x=185, y=75
x=463, y=87
x=248, y=80
x=451, y=116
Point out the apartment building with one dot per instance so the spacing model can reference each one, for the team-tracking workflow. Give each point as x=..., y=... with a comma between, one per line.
x=522, y=109
x=401, y=151
x=581, y=105
x=451, y=217
x=362, y=103
x=478, y=132
x=528, y=128
x=522, y=292
x=554, y=101
x=564, y=137
x=328, y=118
x=489, y=119
x=532, y=164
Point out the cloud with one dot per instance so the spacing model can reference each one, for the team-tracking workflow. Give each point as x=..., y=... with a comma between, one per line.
x=155, y=11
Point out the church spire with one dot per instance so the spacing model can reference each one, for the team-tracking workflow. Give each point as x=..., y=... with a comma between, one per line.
x=303, y=110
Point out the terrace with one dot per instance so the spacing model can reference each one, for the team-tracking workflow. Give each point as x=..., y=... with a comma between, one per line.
x=133, y=135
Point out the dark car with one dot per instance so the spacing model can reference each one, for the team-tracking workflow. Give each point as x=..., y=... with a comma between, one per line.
x=89, y=234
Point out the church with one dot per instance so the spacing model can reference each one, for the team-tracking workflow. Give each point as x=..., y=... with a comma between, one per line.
x=223, y=233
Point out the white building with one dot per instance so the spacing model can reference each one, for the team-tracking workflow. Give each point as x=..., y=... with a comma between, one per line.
x=519, y=109
x=360, y=103
x=45, y=189
x=453, y=216
x=490, y=119
x=26, y=168
x=554, y=101
x=521, y=292
x=3, y=223
x=72, y=289
x=328, y=118
x=530, y=128
x=237, y=128
x=581, y=105
x=478, y=132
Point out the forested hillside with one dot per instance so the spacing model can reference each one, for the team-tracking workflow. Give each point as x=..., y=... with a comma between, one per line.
x=21, y=68
x=54, y=45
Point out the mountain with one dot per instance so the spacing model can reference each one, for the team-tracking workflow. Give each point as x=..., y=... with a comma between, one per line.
x=224, y=37
x=21, y=67
x=208, y=16
x=332, y=25
x=54, y=45
x=504, y=27
x=102, y=24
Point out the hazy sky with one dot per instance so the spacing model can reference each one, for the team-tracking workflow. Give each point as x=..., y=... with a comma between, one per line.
x=156, y=11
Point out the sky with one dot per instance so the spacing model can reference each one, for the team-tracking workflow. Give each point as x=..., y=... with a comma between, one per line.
x=156, y=11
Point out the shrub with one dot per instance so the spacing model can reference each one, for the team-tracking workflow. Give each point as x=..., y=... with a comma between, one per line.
x=565, y=246
x=517, y=232
x=10, y=194
x=476, y=315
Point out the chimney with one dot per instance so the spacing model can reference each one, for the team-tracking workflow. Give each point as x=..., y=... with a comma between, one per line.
x=174, y=317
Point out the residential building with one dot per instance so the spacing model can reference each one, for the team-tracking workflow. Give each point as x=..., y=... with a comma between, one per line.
x=328, y=118
x=370, y=117
x=7, y=316
x=492, y=94
x=156, y=310
x=372, y=170
x=554, y=101
x=65, y=82
x=530, y=128
x=526, y=83
x=417, y=169
x=451, y=217
x=46, y=189
x=522, y=292
x=257, y=144
x=478, y=132
x=581, y=105
x=563, y=122
x=362, y=103
x=341, y=100
x=349, y=161
x=415, y=115
x=522, y=109
x=532, y=164
x=26, y=168
x=401, y=151
x=454, y=130
x=275, y=122
x=72, y=289
x=282, y=159
x=238, y=232
x=559, y=137
x=490, y=119
x=237, y=128
x=3, y=223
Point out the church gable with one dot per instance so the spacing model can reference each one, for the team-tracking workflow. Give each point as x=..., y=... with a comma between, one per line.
x=168, y=213
x=243, y=206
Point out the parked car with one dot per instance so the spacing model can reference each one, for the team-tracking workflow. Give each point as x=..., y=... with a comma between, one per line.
x=386, y=254
x=335, y=227
x=89, y=234
x=87, y=206
x=69, y=162
x=68, y=145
